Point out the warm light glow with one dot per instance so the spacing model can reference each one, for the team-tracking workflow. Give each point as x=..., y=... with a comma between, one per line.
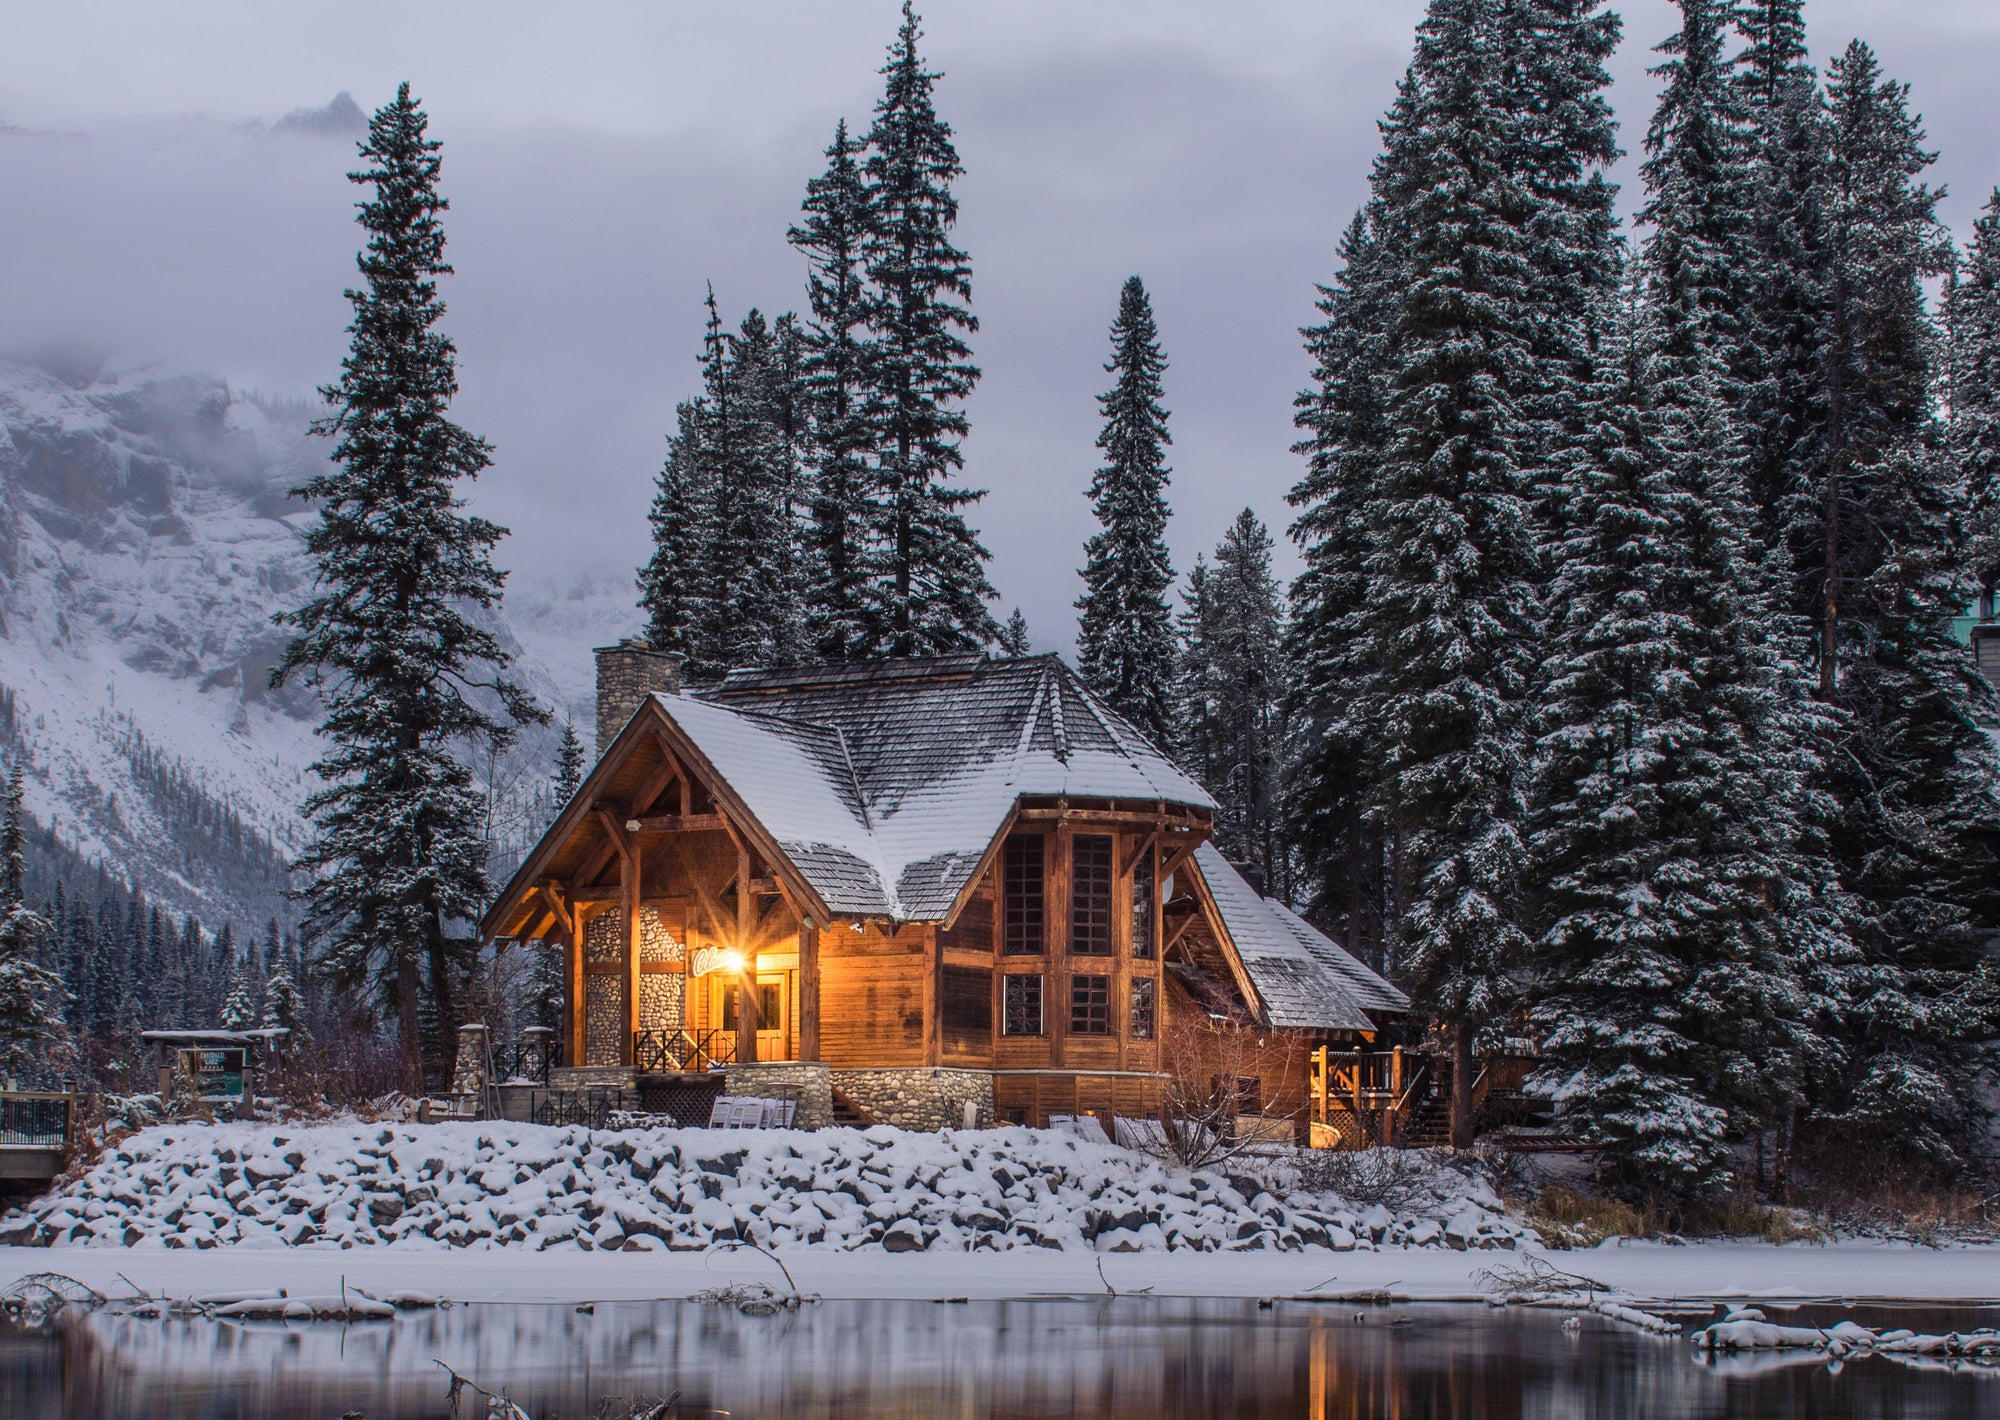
x=713, y=959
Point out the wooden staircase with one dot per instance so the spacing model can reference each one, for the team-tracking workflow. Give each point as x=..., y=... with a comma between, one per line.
x=847, y=1113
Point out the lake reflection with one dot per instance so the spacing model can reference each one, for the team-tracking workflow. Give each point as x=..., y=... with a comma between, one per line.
x=1034, y=1360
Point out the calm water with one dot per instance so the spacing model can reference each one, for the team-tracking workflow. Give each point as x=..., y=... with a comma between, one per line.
x=1036, y=1360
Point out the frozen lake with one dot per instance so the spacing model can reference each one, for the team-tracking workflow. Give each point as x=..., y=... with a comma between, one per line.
x=1023, y=1360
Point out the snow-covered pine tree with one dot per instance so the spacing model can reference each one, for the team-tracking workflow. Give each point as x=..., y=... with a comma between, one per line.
x=284, y=1007
x=239, y=1009
x=1453, y=597
x=569, y=766
x=722, y=586
x=1230, y=698
x=397, y=859
x=1627, y=908
x=1972, y=315
x=1879, y=546
x=1783, y=409
x=675, y=582
x=1771, y=971
x=1557, y=52
x=1339, y=843
x=1698, y=209
x=761, y=619
x=840, y=555
x=928, y=592
x=1125, y=636
x=1013, y=638
x=31, y=996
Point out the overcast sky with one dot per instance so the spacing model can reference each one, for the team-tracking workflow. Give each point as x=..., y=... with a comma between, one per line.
x=604, y=161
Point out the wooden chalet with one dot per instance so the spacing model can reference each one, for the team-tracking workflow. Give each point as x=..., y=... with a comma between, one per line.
x=923, y=892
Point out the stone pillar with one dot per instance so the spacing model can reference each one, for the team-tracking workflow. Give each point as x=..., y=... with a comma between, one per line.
x=626, y=674
x=539, y=1044
x=468, y=1074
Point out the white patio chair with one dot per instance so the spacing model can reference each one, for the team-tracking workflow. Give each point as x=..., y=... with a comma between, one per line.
x=745, y=1114
x=778, y=1113
x=718, y=1113
x=1089, y=1128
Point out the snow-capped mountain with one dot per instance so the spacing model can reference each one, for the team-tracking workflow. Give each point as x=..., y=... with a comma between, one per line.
x=146, y=537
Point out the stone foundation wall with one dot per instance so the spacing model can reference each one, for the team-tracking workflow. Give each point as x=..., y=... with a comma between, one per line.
x=662, y=1001
x=813, y=1082
x=604, y=1019
x=923, y=1097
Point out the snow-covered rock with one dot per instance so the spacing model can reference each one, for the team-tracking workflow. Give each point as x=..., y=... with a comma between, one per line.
x=534, y=1187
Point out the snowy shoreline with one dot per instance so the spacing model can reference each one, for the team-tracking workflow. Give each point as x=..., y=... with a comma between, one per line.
x=1857, y=1272
x=522, y=1213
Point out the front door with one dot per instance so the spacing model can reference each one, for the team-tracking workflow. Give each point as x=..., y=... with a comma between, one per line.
x=774, y=1013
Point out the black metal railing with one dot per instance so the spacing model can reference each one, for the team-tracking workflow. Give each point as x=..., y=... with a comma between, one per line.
x=675, y=1052
x=591, y=1107
x=37, y=1119
x=527, y=1060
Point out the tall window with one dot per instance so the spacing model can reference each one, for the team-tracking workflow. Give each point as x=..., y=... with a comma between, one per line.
x=1022, y=927
x=1090, y=1005
x=1021, y=1005
x=1091, y=875
x=1145, y=918
x=1145, y=1015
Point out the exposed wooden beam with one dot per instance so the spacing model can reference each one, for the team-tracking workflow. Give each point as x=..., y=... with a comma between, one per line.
x=614, y=834
x=675, y=823
x=808, y=989
x=718, y=922
x=655, y=783
x=1115, y=818
x=746, y=995
x=1140, y=849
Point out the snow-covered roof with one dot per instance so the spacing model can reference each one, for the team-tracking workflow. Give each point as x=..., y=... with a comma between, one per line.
x=1305, y=979
x=885, y=783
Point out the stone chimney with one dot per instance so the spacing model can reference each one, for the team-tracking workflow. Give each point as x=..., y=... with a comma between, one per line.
x=626, y=674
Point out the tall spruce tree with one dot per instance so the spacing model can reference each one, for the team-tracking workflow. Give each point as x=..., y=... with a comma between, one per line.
x=723, y=585
x=1013, y=639
x=1627, y=1053
x=1785, y=279
x=31, y=996
x=569, y=766
x=1557, y=93
x=1333, y=817
x=396, y=865
x=840, y=553
x=1973, y=319
x=1125, y=640
x=1453, y=600
x=928, y=592
x=1230, y=696
x=1881, y=553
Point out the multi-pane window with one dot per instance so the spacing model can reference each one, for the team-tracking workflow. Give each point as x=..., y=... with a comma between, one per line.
x=1021, y=910
x=1091, y=874
x=1144, y=1001
x=1021, y=1005
x=1090, y=1005
x=1145, y=916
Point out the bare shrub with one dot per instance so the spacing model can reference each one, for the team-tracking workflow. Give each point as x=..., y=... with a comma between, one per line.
x=344, y=1065
x=1394, y=1178
x=1208, y=1113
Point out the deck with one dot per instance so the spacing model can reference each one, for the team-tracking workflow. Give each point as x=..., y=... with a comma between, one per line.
x=36, y=1128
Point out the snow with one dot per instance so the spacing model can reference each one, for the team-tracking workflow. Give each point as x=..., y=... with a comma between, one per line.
x=521, y=1188
x=504, y=1212
x=145, y=540
x=887, y=790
